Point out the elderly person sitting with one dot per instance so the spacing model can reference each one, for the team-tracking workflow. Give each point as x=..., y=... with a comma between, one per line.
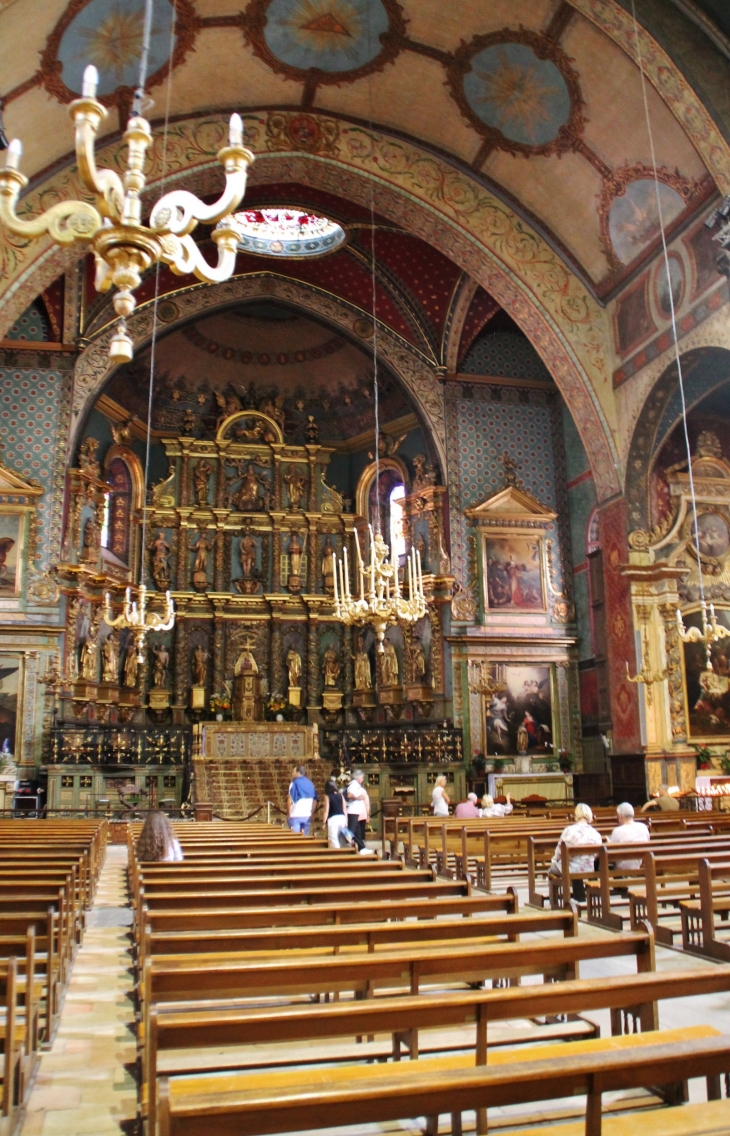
x=489, y=809
x=628, y=831
x=467, y=810
x=578, y=833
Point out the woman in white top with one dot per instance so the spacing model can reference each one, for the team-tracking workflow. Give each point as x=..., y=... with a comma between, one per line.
x=489, y=809
x=157, y=841
x=581, y=832
x=440, y=798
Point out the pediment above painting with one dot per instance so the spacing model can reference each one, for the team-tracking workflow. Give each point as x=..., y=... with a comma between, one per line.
x=508, y=507
x=14, y=484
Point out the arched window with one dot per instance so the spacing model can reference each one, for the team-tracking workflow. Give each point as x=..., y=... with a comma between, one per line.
x=115, y=534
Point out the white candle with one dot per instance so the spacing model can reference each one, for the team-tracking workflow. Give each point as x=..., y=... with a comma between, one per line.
x=337, y=602
x=89, y=82
x=235, y=130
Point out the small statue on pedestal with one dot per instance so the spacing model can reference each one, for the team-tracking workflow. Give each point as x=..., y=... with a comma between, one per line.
x=296, y=552
x=296, y=483
x=200, y=566
x=363, y=674
x=201, y=479
x=328, y=567
x=160, y=666
x=331, y=668
x=160, y=553
x=294, y=667
x=200, y=666
x=130, y=666
x=90, y=654
x=110, y=659
x=389, y=665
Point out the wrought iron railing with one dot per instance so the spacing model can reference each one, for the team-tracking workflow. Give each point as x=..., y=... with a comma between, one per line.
x=120, y=745
x=400, y=743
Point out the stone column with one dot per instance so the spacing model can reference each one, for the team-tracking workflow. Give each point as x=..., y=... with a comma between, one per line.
x=219, y=652
x=618, y=632
x=313, y=662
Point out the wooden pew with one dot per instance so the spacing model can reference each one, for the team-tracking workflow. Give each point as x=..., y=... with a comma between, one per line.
x=394, y=892
x=667, y=880
x=699, y=929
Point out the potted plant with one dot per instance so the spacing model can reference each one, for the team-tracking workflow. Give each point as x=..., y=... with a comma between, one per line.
x=704, y=757
x=277, y=708
x=565, y=761
x=498, y=765
x=220, y=705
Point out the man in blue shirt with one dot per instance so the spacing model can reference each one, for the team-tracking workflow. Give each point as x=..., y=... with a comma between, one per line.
x=302, y=797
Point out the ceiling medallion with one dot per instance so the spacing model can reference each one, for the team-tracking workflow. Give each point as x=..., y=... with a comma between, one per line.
x=518, y=90
x=288, y=233
x=108, y=34
x=325, y=41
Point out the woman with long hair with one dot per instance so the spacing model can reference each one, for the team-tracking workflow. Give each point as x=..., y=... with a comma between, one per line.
x=157, y=841
x=440, y=799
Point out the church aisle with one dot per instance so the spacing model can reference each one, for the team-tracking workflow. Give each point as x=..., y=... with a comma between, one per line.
x=84, y=1084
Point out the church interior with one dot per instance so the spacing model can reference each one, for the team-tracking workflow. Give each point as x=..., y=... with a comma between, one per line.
x=364, y=519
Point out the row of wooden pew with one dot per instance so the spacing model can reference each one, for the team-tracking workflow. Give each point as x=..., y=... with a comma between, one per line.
x=48, y=876
x=285, y=986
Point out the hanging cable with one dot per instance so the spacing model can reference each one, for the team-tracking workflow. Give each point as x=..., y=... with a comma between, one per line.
x=139, y=96
x=675, y=337
x=373, y=302
x=155, y=302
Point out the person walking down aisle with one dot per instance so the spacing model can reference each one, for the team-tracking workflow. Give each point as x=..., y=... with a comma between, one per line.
x=358, y=811
x=440, y=798
x=628, y=831
x=302, y=799
x=157, y=841
x=334, y=817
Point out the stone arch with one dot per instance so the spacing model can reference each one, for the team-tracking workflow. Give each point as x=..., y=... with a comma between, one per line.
x=417, y=376
x=704, y=369
x=444, y=204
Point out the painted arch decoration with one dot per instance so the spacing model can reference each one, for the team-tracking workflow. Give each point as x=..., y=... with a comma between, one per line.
x=445, y=205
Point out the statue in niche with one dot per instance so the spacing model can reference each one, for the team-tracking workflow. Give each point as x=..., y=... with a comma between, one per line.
x=328, y=567
x=130, y=667
x=249, y=493
x=248, y=583
x=245, y=663
x=311, y=431
x=200, y=565
x=110, y=658
x=90, y=653
x=92, y=541
x=422, y=549
x=200, y=666
x=294, y=666
x=160, y=555
x=201, y=480
x=331, y=668
x=87, y=457
x=296, y=483
x=417, y=659
x=160, y=666
x=363, y=674
x=296, y=553
x=389, y=665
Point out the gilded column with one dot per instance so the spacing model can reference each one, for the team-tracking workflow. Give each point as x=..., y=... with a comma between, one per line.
x=276, y=682
x=313, y=662
x=219, y=652
x=181, y=677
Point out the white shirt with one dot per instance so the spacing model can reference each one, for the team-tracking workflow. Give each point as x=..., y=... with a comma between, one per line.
x=632, y=833
x=174, y=853
x=360, y=805
x=497, y=811
x=440, y=808
x=579, y=833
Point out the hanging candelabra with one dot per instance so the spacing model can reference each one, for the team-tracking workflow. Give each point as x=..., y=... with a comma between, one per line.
x=646, y=676
x=482, y=681
x=123, y=246
x=379, y=599
x=138, y=619
x=708, y=634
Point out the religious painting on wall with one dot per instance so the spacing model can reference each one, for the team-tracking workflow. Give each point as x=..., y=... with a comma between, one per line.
x=707, y=691
x=514, y=580
x=520, y=711
x=11, y=685
x=10, y=553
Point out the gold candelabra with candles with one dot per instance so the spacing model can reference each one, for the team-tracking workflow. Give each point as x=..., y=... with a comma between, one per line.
x=379, y=598
x=123, y=246
x=646, y=676
x=135, y=616
x=708, y=634
x=482, y=681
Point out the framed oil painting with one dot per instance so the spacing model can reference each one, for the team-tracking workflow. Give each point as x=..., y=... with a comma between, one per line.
x=520, y=716
x=707, y=691
x=11, y=686
x=11, y=529
x=514, y=575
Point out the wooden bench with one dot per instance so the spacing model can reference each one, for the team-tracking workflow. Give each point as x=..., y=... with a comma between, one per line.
x=699, y=928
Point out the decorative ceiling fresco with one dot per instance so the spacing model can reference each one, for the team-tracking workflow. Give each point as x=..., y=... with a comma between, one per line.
x=530, y=96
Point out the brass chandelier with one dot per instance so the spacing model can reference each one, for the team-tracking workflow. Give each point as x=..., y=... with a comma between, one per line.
x=123, y=246
x=135, y=616
x=379, y=598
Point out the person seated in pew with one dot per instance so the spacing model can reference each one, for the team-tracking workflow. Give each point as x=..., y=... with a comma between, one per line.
x=302, y=799
x=335, y=813
x=467, y=810
x=580, y=832
x=157, y=841
x=492, y=808
x=628, y=831
x=665, y=802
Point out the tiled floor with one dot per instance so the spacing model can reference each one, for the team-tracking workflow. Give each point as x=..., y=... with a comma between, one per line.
x=84, y=1085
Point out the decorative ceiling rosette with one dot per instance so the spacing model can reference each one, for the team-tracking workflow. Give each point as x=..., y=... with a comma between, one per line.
x=519, y=91
x=325, y=41
x=108, y=33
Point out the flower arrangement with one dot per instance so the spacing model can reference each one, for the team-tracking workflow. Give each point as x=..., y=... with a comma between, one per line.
x=276, y=705
x=220, y=704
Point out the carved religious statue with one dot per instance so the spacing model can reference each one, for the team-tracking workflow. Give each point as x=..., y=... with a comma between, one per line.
x=110, y=658
x=294, y=666
x=389, y=665
x=200, y=565
x=87, y=457
x=201, y=479
x=130, y=667
x=200, y=666
x=160, y=555
x=249, y=497
x=328, y=567
x=160, y=666
x=245, y=663
x=248, y=583
x=91, y=541
x=363, y=674
x=296, y=552
x=296, y=483
x=90, y=653
x=331, y=668
x=417, y=659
